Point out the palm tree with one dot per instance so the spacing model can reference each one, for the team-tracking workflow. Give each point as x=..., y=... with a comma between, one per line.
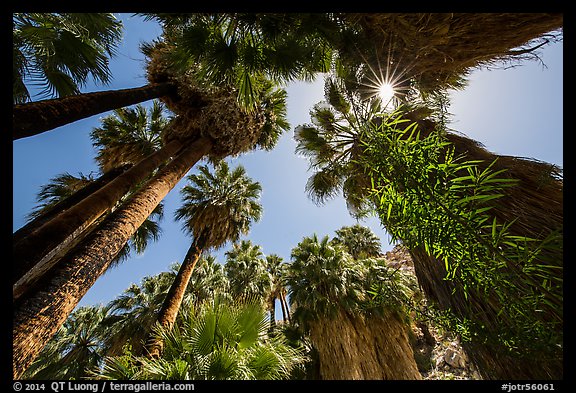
x=56, y=198
x=75, y=349
x=129, y=134
x=218, y=207
x=436, y=51
x=302, y=44
x=208, y=280
x=78, y=270
x=497, y=314
x=359, y=241
x=246, y=270
x=235, y=49
x=132, y=314
x=59, y=51
x=328, y=288
x=56, y=193
x=223, y=134
x=216, y=340
x=125, y=138
x=333, y=144
x=275, y=267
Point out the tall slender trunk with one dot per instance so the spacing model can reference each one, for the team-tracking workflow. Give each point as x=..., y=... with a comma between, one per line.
x=272, y=312
x=283, y=299
x=283, y=307
x=67, y=203
x=39, y=314
x=173, y=301
x=31, y=254
x=34, y=118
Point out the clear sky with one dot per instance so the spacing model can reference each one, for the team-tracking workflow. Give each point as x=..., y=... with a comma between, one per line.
x=517, y=111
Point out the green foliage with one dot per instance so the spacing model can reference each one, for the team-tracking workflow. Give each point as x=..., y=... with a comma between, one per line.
x=59, y=188
x=129, y=135
x=219, y=206
x=429, y=198
x=359, y=241
x=75, y=349
x=246, y=269
x=59, y=51
x=324, y=279
x=217, y=340
x=241, y=49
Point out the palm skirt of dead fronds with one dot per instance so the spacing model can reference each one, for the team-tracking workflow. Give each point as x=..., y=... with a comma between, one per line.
x=438, y=48
x=354, y=346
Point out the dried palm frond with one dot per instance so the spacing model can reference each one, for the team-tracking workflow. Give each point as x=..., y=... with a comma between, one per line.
x=438, y=49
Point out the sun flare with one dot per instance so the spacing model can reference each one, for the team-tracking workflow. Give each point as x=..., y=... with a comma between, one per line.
x=386, y=92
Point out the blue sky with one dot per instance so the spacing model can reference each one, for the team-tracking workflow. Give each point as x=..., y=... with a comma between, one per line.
x=517, y=111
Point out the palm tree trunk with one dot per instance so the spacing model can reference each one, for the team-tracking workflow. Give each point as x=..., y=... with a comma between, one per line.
x=31, y=253
x=356, y=347
x=68, y=203
x=283, y=306
x=39, y=314
x=34, y=118
x=173, y=301
x=535, y=206
x=283, y=299
x=272, y=313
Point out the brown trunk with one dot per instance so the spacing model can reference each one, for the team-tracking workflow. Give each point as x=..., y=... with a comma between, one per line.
x=34, y=118
x=490, y=357
x=38, y=247
x=356, y=347
x=283, y=306
x=435, y=48
x=272, y=312
x=283, y=299
x=39, y=314
x=67, y=203
x=536, y=207
x=173, y=301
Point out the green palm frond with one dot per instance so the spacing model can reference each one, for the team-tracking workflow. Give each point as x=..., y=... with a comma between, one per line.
x=59, y=188
x=240, y=49
x=359, y=240
x=219, y=339
x=226, y=200
x=59, y=51
x=247, y=273
x=129, y=135
x=75, y=349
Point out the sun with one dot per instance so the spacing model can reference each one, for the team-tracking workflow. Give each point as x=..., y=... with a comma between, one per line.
x=386, y=92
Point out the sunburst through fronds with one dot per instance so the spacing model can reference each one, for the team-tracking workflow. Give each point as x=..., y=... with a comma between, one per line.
x=388, y=82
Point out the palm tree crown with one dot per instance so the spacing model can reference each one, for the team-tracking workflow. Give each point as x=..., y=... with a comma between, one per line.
x=75, y=349
x=323, y=278
x=216, y=340
x=59, y=51
x=129, y=135
x=359, y=240
x=246, y=269
x=332, y=143
x=220, y=206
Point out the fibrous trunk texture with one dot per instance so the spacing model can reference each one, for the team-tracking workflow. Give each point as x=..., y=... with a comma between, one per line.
x=34, y=118
x=39, y=314
x=40, y=245
x=356, y=347
x=535, y=206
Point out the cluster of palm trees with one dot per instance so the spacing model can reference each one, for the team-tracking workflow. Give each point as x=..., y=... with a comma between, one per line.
x=220, y=75
x=326, y=279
